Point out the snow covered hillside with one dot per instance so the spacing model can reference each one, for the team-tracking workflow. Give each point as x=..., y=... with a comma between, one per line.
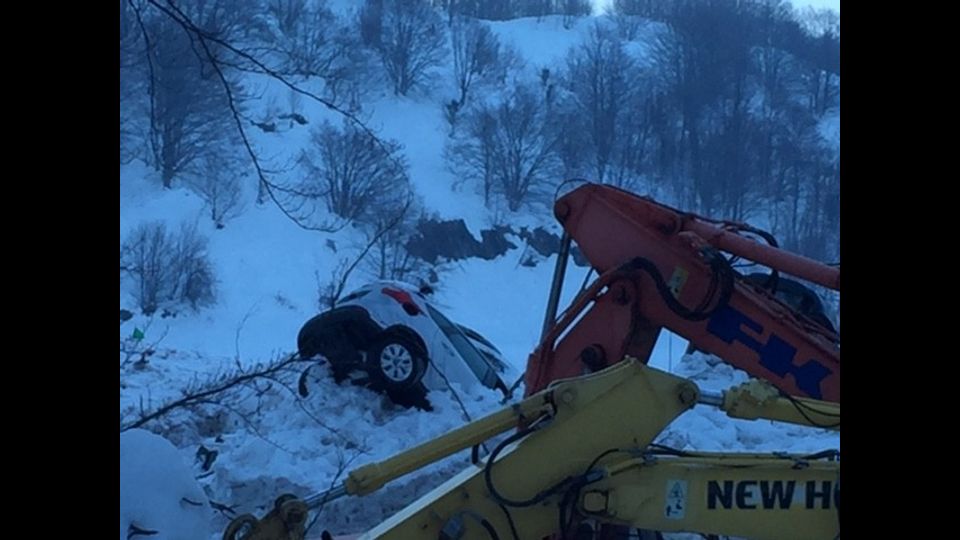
x=266, y=438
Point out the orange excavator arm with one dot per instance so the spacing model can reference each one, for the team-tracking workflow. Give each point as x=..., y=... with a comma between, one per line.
x=662, y=268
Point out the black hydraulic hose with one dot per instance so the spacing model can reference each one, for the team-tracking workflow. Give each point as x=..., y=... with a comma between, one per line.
x=721, y=272
x=488, y=469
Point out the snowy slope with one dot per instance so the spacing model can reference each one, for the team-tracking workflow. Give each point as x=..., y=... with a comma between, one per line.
x=157, y=491
x=268, y=271
x=303, y=446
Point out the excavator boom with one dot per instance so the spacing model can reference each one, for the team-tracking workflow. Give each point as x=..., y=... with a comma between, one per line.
x=662, y=268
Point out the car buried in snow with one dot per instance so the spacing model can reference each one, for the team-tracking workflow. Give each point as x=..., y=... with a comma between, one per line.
x=390, y=338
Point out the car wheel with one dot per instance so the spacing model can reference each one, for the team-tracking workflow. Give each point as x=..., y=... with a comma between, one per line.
x=395, y=362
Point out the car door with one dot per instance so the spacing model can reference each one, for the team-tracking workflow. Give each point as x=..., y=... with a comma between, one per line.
x=463, y=356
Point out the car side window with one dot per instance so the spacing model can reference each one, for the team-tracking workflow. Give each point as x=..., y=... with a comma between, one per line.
x=477, y=363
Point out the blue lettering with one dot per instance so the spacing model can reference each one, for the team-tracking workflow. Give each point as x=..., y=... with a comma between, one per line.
x=776, y=355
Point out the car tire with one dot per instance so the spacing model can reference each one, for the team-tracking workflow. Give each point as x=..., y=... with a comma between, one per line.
x=396, y=362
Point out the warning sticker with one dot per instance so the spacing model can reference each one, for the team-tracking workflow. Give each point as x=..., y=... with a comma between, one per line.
x=676, y=505
x=677, y=281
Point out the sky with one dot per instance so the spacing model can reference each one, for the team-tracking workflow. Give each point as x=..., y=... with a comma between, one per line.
x=599, y=5
x=832, y=4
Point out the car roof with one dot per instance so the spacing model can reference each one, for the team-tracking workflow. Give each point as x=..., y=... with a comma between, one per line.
x=388, y=283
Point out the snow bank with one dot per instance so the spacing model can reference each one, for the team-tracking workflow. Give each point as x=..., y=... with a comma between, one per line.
x=158, y=492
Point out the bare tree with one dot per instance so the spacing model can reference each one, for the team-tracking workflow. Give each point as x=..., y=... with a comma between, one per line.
x=132, y=78
x=804, y=208
x=778, y=79
x=476, y=54
x=218, y=184
x=188, y=109
x=226, y=42
x=628, y=26
x=497, y=10
x=187, y=105
x=451, y=111
x=509, y=148
x=129, y=36
x=650, y=9
x=602, y=80
x=637, y=133
x=303, y=33
x=573, y=9
x=821, y=21
x=409, y=38
x=705, y=65
x=312, y=43
x=354, y=175
x=824, y=57
x=168, y=268
x=534, y=8
x=389, y=258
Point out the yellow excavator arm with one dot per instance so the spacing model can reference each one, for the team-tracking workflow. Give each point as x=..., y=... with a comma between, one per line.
x=584, y=453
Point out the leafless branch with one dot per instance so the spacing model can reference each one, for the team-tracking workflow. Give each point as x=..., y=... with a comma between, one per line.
x=270, y=188
x=250, y=423
x=196, y=397
x=236, y=339
x=150, y=82
x=341, y=279
x=224, y=509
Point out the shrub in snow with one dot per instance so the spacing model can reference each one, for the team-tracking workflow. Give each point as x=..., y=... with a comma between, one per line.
x=356, y=176
x=168, y=269
x=159, y=497
x=217, y=182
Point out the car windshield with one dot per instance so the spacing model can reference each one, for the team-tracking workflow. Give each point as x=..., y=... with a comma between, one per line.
x=476, y=338
x=472, y=334
x=467, y=351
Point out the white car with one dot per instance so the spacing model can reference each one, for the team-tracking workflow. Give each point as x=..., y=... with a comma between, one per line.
x=388, y=336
